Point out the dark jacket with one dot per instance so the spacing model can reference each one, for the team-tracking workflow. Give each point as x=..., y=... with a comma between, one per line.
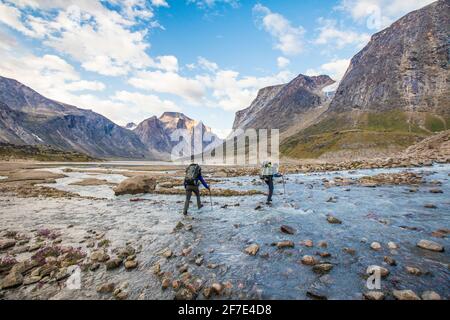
x=196, y=181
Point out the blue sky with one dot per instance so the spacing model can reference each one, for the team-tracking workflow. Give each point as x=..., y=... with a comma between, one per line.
x=133, y=59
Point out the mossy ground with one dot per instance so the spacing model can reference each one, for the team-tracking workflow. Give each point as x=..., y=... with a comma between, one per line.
x=40, y=153
x=393, y=130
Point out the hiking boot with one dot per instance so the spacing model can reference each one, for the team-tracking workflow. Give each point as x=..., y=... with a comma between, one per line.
x=201, y=206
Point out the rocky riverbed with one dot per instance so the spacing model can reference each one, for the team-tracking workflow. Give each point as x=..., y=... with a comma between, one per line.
x=321, y=239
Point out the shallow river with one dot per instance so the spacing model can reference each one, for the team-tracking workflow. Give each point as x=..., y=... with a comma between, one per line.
x=221, y=233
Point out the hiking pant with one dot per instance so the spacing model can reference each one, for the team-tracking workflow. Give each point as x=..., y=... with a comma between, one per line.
x=189, y=190
x=269, y=182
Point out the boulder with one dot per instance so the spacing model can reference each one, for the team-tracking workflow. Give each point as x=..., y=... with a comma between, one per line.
x=405, y=295
x=99, y=256
x=7, y=243
x=287, y=229
x=252, y=250
x=113, y=263
x=430, y=245
x=106, y=288
x=431, y=295
x=333, y=220
x=372, y=269
x=308, y=260
x=131, y=264
x=136, y=185
x=374, y=295
x=285, y=244
x=413, y=270
x=12, y=280
x=322, y=268
x=375, y=246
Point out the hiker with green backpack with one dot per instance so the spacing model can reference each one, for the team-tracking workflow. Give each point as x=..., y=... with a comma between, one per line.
x=268, y=172
x=191, y=184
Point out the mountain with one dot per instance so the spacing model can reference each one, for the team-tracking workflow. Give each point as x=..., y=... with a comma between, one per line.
x=130, y=126
x=285, y=106
x=394, y=93
x=155, y=133
x=28, y=118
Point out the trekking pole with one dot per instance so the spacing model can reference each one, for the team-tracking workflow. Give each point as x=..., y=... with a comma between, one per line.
x=284, y=184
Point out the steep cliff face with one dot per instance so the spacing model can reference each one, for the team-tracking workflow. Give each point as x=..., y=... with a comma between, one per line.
x=405, y=66
x=284, y=106
x=26, y=117
x=156, y=133
x=394, y=93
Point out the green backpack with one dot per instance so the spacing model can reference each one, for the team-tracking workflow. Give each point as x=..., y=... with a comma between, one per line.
x=192, y=174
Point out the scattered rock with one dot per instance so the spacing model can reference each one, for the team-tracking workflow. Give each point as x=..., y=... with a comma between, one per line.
x=258, y=207
x=184, y=294
x=375, y=246
x=287, y=229
x=12, y=280
x=308, y=243
x=113, y=263
x=7, y=243
x=252, y=249
x=374, y=295
x=349, y=251
x=313, y=294
x=285, y=244
x=323, y=244
x=430, y=295
x=333, y=220
x=308, y=260
x=106, y=288
x=99, y=256
x=136, y=185
x=31, y=279
x=372, y=269
x=165, y=283
x=436, y=191
x=390, y=261
x=199, y=261
x=392, y=245
x=131, y=264
x=441, y=233
x=217, y=288
x=322, y=268
x=120, y=294
x=430, y=206
x=413, y=271
x=405, y=295
x=430, y=245
x=167, y=253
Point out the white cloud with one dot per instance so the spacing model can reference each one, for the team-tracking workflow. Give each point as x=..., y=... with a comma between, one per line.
x=283, y=62
x=288, y=39
x=169, y=82
x=211, y=3
x=167, y=63
x=378, y=14
x=160, y=3
x=110, y=45
x=207, y=65
x=330, y=34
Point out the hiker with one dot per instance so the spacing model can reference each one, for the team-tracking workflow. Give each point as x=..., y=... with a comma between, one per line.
x=268, y=172
x=191, y=183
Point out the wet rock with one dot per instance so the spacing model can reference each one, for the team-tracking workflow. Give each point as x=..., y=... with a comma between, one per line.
x=258, y=207
x=441, y=233
x=136, y=185
x=94, y=266
x=99, y=256
x=131, y=264
x=212, y=266
x=7, y=243
x=375, y=246
x=373, y=269
x=179, y=226
x=316, y=295
x=430, y=295
x=405, y=295
x=308, y=260
x=308, y=243
x=349, y=251
x=184, y=268
x=217, y=288
x=184, y=294
x=167, y=253
x=285, y=244
x=186, y=251
x=287, y=229
x=12, y=280
x=176, y=284
x=207, y=292
x=165, y=283
x=323, y=244
x=374, y=295
x=430, y=245
x=392, y=245
x=390, y=261
x=430, y=206
x=252, y=250
x=413, y=270
x=199, y=261
x=106, y=288
x=333, y=220
x=322, y=268
x=31, y=279
x=120, y=294
x=324, y=254
x=436, y=191
x=113, y=263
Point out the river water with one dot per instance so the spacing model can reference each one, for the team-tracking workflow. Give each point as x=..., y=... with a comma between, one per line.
x=220, y=234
